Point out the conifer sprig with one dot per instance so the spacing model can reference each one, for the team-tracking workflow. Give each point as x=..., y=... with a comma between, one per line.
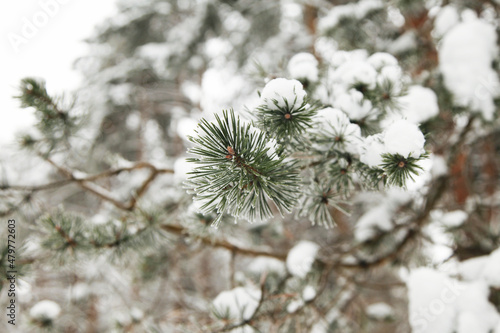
x=55, y=124
x=237, y=172
x=34, y=94
x=399, y=169
x=286, y=123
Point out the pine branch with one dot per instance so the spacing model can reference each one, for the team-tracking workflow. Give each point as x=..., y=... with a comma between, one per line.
x=435, y=192
x=34, y=94
x=237, y=173
x=15, y=207
x=286, y=124
x=71, y=233
x=251, y=252
x=55, y=124
x=399, y=169
x=86, y=183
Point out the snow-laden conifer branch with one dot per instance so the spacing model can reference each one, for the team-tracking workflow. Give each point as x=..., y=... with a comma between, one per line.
x=237, y=171
x=286, y=112
x=341, y=158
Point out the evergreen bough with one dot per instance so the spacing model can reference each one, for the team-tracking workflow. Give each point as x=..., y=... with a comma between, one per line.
x=238, y=172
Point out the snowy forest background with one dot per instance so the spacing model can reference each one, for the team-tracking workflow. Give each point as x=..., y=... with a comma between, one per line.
x=369, y=230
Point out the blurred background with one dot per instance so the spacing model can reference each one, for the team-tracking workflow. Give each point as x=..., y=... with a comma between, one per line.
x=112, y=241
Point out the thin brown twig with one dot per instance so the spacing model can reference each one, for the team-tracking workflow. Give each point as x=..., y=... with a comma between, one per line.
x=180, y=230
x=85, y=182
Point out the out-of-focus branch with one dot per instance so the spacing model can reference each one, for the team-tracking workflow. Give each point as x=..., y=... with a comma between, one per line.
x=180, y=230
x=435, y=193
x=86, y=184
x=90, y=178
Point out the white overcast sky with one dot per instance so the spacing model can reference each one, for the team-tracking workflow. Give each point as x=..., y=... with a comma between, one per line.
x=48, y=54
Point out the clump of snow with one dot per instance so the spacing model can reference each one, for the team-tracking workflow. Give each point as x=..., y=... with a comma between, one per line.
x=133, y=121
x=333, y=17
x=192, y=90
x=380, y=60
x=491, y=273
x=372, y=222
x=446, y=19
x=365, y=7
x=472, y=269
x=24, y=291
x=308, y=293
x=439, y=244
x=225, y=87
x=380, y=311
x=294, y=305
x=454, y=219
x=136, y=314
x=465, y=59
x=354, y=10
x=395, y=16
x=325, y=47
x=279, y=93
x=428, y=312
x=475, y=312
x=439, y=304
x=186, y=127
x=403, y=43
x=332, y=117
x=156, y=53
x=404, y=138
x=301, y=258
x=439, y=166
x=372, y=150
x=218, y=48
x=355, y=105
x=45, y=310
x=79, y=291
x=400, y=137
x=120, y=93
x=239, y=303
x=121, y=317
x=265, y=264
x=484, y=268
x=339, y=58
x=356, y=72
x=392, y=74
x=303, y=66
x=336, y=125
x=419, y=105
x=77, y=174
